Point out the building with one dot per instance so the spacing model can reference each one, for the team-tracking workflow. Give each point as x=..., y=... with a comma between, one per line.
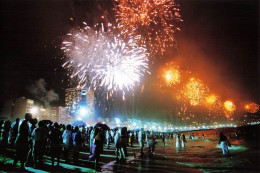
x=63, y=116
x=16, y=108
x=76, y=98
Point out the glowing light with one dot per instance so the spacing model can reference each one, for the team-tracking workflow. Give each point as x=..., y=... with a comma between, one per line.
x=172, y=77
x=252, y=107
x=196, y=91
x=34, y=110
x=96, y=57
x=117, y=121
x=229, y=108
x=83, y=111
x=79, y=118
x=211, y=99
x=154, y=20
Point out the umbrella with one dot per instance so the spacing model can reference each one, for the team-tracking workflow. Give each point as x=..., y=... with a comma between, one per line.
x=102, y=126
x=78, y=123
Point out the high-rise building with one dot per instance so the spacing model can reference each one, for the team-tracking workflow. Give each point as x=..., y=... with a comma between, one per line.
x=76, y=98
x=63, y=116
x=16, y=108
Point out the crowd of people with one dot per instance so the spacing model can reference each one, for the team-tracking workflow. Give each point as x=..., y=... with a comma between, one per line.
x=31, y=140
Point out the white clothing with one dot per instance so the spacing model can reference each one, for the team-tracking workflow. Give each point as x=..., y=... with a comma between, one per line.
x=178, y=144
x=224, y=147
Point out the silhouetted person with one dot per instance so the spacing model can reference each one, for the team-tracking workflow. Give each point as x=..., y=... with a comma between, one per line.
x=77, y=144
x=4, y=136
x=55, y=143
x=163, y=139
x=183, y=140
x=32, y=126
x=99, y=139
x=224, y=143
x=22, y=143
x=39, y=137
x=67, y=141
x=14, y=131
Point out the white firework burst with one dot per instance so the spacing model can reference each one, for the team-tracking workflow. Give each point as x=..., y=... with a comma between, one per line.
x=96, y=57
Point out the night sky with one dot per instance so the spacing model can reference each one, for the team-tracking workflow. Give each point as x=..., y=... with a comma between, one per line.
x=218, y=40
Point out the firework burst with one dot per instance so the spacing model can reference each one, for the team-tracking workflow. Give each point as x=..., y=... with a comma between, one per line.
x=252, y=107
x=172, y=76
x=155, y=20
x=96, y=57
x=230, y=108
x=196, y=91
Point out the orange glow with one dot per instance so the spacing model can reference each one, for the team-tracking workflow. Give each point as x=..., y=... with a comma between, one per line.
x=196, y=91
x=229, y=108
x=172, y=77
x=211, y=99
x=252, y=107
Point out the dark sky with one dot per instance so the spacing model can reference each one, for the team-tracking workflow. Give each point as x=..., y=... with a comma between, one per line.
x=223, y=34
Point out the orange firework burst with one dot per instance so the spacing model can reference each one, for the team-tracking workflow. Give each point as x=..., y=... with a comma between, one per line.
x=252, y=107
x=172, y=76
x=196, y=91
x=214, y=104
x=230, y=108
x=211, y=99
x=154, y=20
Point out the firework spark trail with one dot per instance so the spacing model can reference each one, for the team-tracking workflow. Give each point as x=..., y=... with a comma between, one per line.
x=102, y=58
x=155, y=20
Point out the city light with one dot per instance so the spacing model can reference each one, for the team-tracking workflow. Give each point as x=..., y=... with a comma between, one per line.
x=117, y=121
x=34, y=110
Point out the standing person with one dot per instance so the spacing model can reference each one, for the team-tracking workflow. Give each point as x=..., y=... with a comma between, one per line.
x=22, y=141
x=97, y=146
x=14, y=132
x=132, y=138
x=4, y=136
x=108, y=138
x=55, y=143
x=150, y=139
x=39, y=137
x=178, y=143
x=236, y=135
x=116, y=142
x=224, y=143
x=183, y=140
x=163, y=139
x=91, y=140
x=123, y=144
x=77, y=144
x=203, y=136
x=1, y=124
x=32, y=126
x=67, y=142
x=141, y=140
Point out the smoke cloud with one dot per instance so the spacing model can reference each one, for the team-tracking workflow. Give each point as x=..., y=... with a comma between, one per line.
x=39, y=91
